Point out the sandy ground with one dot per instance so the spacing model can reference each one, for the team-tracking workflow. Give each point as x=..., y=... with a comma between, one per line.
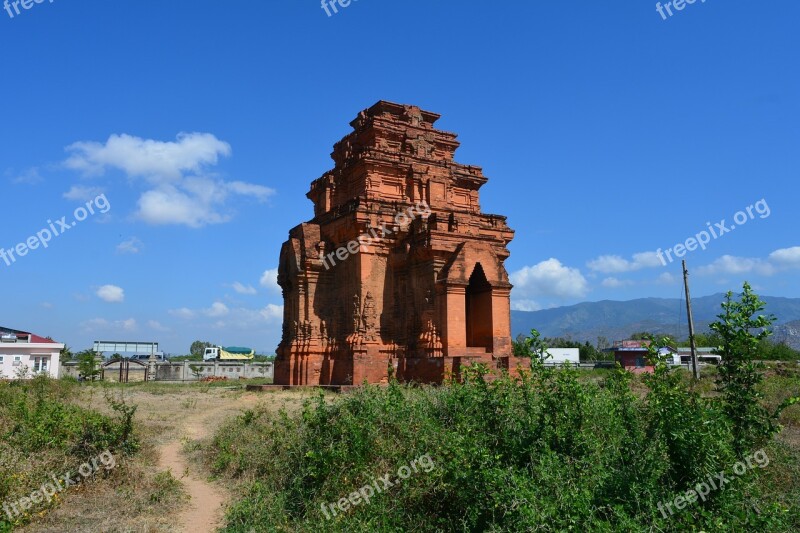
x=207, y=500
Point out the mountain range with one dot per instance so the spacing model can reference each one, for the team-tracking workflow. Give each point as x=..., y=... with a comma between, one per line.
x=617, y=320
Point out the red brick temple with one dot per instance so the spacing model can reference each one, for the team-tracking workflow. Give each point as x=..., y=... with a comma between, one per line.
x=399, y=272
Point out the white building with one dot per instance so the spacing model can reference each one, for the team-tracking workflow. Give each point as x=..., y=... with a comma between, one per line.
x=24, y=354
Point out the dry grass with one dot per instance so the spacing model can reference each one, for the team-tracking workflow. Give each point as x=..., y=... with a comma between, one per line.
x=139, y=497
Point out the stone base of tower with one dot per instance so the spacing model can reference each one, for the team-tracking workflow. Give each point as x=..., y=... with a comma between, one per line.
x=313, y=369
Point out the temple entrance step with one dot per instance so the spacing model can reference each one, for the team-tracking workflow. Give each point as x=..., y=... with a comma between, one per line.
x=470, y=351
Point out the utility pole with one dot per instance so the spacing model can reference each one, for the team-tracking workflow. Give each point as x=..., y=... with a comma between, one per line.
x=695, y=366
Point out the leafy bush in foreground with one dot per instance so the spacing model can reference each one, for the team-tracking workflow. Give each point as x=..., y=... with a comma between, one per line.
x=42, y=434
x=545, y=452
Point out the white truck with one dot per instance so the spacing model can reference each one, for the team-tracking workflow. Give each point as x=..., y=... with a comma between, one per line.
x=231, y=353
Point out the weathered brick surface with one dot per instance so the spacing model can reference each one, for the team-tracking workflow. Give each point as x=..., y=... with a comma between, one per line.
x=399, y=268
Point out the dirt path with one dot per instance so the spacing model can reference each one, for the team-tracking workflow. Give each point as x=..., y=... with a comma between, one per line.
x=207, y=500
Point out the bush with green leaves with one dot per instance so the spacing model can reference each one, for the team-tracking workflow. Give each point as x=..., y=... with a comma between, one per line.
x=546, y=452
x=742, y=330
x=87, y=365
x=42, y=433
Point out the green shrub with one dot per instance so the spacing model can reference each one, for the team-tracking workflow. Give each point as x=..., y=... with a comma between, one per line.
x=166, y=488
x=43, y=434
x=547, y=452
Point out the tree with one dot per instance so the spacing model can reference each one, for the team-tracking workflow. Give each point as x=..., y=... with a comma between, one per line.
x=602, y=343
x=197, y=371
x=66, y=353
x=22, y=372
x=707, y=340
x=742, y=329
x=199, y=347
x=644, y=335
x=87, y=364
x=534, y=346
x=778, y=351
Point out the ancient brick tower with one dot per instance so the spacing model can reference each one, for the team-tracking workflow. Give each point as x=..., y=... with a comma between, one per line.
x=399, y=271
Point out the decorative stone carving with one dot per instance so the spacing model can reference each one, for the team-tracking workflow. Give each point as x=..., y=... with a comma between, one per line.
x=421, y=297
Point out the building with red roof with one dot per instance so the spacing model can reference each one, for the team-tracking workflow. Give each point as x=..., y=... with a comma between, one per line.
x=24, y=354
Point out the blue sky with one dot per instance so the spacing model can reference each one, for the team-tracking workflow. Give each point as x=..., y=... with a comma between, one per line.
x=607, y=133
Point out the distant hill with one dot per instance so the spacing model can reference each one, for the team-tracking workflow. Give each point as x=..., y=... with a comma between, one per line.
x=788, y=333
x=616, y=320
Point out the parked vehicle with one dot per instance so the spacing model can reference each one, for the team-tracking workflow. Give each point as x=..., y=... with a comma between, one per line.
x=231, y=353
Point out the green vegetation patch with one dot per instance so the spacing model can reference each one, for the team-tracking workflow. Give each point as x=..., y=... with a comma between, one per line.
x=43, y=435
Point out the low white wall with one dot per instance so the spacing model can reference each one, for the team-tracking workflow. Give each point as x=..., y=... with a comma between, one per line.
x=195, y=370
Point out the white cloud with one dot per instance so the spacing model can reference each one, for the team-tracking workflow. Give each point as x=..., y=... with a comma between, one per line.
x=217, y=309
x=180, y=191
x=614, y=264
x=609, y=263
x=246, y=318
x=729, y=264
x=259, y=192
x=238, y=317
x=81, y=193
x=786, y=257
x=168, y=205
x=94, y=324
x=30, y=176
x=183, y=312
x=111, y=293
x=243, y=289
x=778, y=260
x=130, y=246
x=157, y=326
x=666, y=278
x=148, y=158
x=272, y=312
x=47, y=305
x=550, y=278
x=103, y=325
x=269, y=280
x=525, y=305
x=614, y=283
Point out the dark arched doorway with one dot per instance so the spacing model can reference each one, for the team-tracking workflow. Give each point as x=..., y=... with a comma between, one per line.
x=479, y=310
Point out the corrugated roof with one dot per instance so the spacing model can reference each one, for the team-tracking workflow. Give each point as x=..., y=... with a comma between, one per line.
x=32, y=338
